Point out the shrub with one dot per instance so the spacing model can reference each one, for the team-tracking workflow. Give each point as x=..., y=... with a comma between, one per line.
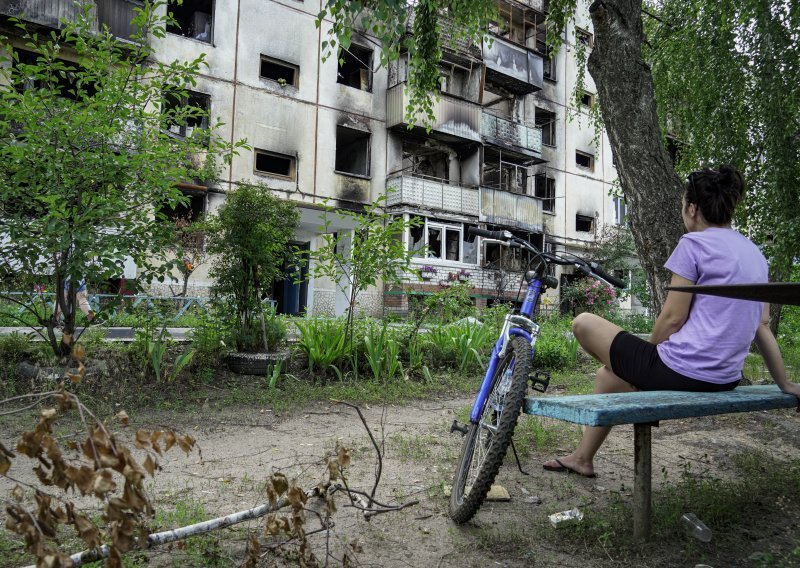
x=590, y=295
x=452, y=303
x=14, y=347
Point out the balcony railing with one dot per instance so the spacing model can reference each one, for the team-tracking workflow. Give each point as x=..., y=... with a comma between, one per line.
x=512, y=66
x=454, y=118
x=116, y=14
x=508, y=133
x=431, y=193
x=512, y=210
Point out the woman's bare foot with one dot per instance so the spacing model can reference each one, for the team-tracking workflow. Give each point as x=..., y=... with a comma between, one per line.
x=570, y=464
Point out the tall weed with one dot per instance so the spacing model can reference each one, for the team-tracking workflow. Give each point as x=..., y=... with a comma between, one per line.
x=324, y=343
x=382, y=352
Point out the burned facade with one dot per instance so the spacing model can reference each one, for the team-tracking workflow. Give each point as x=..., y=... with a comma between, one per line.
x=507, y=148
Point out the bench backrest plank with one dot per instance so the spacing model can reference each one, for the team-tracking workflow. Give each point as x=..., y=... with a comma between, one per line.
x=653, y=406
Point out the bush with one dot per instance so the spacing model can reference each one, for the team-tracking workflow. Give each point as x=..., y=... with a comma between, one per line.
x=590, y=295
x=451, y=303
x=556, y=349
x=14, y=347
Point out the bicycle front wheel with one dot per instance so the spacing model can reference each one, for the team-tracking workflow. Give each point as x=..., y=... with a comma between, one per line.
x=487, y=441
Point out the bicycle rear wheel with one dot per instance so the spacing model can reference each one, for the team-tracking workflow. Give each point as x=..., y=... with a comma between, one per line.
x=486, y=442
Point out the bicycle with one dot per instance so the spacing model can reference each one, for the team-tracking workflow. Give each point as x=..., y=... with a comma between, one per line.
x=502, y=393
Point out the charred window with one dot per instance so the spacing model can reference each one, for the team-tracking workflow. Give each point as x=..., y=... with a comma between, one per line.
x=63, y=80
x=190, y=210
x=584, y=160
x=279, y=71
x=545, y=189
x=546, y=120
x=584, y=223
x=185, y=112
x=275, y=164
x=352, y=151
x=355, y=68
x=192, y=18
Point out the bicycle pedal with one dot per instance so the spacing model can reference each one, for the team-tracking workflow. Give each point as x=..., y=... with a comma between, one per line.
x=456, y=427
x=540, y=380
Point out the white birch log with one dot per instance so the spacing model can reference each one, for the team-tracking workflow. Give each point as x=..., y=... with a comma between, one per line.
x=181, y=533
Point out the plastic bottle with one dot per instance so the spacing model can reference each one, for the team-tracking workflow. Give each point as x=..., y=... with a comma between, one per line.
x=696, y=527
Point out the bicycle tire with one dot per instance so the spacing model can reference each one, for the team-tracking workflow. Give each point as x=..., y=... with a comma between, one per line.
x=466, y=499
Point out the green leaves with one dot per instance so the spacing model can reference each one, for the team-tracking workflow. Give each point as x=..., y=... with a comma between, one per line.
x=249, y=236
x=86, y=158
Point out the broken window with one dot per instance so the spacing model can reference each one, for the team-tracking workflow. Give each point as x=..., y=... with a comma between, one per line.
x=620, y=211
x=541, y=47
x=416, y=241
x=186, y=111
x=428, y=160
x=279, y=71
x=189, y=211
x=546, y=120
x=584, y=160
x=469, y=247
x=192, y=19
x=275, y=164
x=584, y=37
x=545, y=189
x=436, y=239
x=504, y=173
x=587, y=99
x=352, y=151
x=355, y=68
x=512, y=259
x=584, y=223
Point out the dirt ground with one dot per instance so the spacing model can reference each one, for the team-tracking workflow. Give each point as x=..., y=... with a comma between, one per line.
x=242, y=447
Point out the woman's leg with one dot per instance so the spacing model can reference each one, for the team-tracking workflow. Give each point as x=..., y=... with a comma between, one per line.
x=595, y=335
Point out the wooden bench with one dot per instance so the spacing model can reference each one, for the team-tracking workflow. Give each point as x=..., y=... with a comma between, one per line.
x=646, y=409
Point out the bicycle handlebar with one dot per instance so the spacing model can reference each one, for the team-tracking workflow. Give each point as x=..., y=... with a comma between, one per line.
x=588, y=268
x=498, y=235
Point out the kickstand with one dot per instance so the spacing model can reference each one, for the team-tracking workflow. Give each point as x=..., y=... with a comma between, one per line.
x=516, y=457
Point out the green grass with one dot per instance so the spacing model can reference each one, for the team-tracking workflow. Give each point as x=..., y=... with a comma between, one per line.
x=761, y=495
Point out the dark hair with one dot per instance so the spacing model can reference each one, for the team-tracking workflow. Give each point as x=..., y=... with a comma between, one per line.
x=715, y=192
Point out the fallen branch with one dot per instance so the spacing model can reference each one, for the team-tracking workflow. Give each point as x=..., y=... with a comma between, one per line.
x=165, y=537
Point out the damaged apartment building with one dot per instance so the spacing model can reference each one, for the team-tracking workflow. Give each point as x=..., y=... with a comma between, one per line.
x=507, y=149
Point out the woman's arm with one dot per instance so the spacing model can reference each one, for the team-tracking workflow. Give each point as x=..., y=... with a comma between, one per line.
x=674, y=313
x=768, y=347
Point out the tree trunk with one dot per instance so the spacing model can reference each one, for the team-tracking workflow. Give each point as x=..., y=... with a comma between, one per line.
x=649, y=183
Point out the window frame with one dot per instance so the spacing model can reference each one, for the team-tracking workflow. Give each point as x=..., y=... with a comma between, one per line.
x=582, y=34
x=275, y=61
x=368, y=135
x=590, y=167
x=587, y=95
x=550, y=188
x=423, y=251
x=205, y=121
x=292, y=164
x=584, y=218
x=367, y=65
x=210, y=40
x=550, y=124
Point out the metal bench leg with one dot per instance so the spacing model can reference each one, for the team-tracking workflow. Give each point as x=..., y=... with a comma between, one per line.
x=642, y=470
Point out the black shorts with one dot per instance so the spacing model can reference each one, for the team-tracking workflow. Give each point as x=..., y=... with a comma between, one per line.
x=638, y=363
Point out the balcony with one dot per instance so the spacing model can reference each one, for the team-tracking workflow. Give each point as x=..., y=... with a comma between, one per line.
x=116, y=14
x=431, y=193
x=455, y=120
x=513, y=66
x=514, y=136
x=512, y=210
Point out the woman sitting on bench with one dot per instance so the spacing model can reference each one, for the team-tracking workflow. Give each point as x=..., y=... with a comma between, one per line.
x=699, y=343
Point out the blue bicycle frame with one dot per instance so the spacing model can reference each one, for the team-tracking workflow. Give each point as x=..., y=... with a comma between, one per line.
x=514, y=326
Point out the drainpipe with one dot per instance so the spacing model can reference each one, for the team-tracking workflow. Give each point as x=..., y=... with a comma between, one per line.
x=316, y=111
x=235, y=82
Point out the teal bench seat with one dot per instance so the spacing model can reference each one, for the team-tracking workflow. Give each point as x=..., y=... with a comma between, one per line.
x=646, y=409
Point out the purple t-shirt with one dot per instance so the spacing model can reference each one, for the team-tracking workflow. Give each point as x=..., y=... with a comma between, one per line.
x=713, y=343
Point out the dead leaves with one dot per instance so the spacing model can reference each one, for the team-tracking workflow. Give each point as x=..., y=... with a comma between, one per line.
x=101, y=465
